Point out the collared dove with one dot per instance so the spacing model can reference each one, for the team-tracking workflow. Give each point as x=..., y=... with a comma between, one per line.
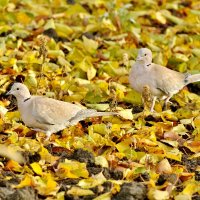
x=163, y=82
x=49, y=115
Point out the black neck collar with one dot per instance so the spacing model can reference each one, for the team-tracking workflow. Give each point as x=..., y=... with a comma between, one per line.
x=26, y=99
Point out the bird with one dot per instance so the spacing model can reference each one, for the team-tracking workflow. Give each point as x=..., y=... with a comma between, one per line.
x=162, y=81
x=49, y=115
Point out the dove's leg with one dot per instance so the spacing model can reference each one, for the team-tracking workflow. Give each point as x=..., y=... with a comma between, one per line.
x=167, y=101
x=153, y=104
x=48, y=133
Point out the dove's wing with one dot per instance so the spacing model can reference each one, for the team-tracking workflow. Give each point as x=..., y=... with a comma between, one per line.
x=50, y=111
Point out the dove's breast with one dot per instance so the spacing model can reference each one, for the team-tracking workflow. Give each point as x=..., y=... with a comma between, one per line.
x=139, y=77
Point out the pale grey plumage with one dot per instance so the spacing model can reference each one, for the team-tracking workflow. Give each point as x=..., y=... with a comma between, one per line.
x=49, y=115
x=163, y=82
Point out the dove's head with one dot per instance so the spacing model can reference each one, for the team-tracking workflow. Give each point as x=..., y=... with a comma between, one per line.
x=20, y=91
x=144, y=55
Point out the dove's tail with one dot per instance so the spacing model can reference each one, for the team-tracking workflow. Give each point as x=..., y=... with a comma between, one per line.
x=83, y=114
x=192, y=78
x=94, y=113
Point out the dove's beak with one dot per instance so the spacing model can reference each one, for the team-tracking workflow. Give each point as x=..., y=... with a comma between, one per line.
x=139, y=58
x=9, y=92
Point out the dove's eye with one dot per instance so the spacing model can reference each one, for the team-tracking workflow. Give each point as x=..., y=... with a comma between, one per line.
x=17, y=88
x=145, y=54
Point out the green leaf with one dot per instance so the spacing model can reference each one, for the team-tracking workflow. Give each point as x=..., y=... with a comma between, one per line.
x=4, y=3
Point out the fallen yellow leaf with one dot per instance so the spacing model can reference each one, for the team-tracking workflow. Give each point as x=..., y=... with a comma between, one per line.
x=36, y=168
